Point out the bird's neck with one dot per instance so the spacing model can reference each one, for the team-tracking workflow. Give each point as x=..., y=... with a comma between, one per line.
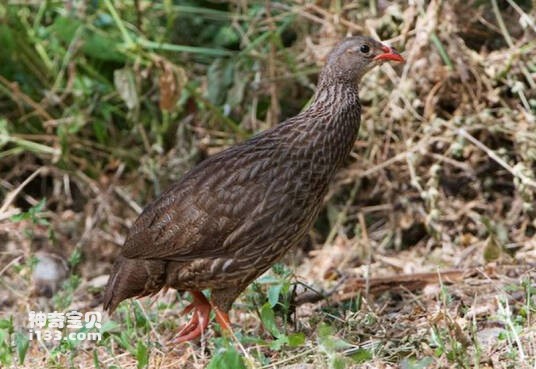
x=333, y=121
x=337, y=111
x=334, y=96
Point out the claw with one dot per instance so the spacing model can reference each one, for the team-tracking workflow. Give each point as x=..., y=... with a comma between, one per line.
x=199, y=321
x=201, y=315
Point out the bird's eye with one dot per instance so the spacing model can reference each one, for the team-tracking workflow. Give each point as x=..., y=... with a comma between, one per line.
x=364, y=49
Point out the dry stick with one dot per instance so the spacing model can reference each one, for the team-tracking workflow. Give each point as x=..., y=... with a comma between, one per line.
x=303, y=12
x=328, y=15
x=392, y=160
x=18, y=94
x=312, y=295
x=408, y=281
x=524, y=179
x=126, y=198
x=366, y=240
x=13, y=261
x=97, y=214
x=525, y=16
x=502, y=26
x=273, y=112
x=341, y=217
x=509, y=41
x=405, y=282
x=292, y=358
x=13, y=194
x=397, y=80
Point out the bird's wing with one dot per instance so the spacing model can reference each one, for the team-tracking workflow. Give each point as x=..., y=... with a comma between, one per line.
x=194, y=218
x=282, y=217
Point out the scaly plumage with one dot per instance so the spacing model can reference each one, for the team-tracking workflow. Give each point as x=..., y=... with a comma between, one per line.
x=236, y=213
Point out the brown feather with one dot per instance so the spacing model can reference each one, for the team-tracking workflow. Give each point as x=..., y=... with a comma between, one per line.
x=235, y=214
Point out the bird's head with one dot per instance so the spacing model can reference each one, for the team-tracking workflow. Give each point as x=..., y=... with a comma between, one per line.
x=354, y=56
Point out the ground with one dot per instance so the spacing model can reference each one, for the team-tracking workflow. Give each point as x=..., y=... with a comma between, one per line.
x=424, y=255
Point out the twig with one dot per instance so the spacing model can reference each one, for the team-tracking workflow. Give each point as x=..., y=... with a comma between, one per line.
x=126, y=198
x=409, y=282
x=291, y=358
x=524, y=16
x=13, y=194
x=366, y=242
x=502, y=26
x=13, y=261
x=524, y=179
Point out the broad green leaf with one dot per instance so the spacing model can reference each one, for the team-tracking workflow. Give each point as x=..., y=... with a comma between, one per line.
x=296, y=339
x=227, y=359
x=268, y=319
x=273, y=294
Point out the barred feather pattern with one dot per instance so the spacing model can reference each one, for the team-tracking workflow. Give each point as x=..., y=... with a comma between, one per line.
x=236, y=213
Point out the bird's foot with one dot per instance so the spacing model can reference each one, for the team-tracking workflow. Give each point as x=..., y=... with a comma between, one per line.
x=199, y=321
x=223, y=320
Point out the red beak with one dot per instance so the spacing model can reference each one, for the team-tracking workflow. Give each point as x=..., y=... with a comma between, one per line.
x=389, y=54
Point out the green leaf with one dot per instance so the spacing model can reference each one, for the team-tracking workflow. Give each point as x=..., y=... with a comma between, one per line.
x=103, y=48
x=75, y=257
x=142, y=355
x=226, y=359
x=6, y=324
x=108, y=326
x=277, y=344
x=4, y=337
x=22, y=343
x=296, y=339
x=268, y=319
x=325, y=330
x=96, y=361
x=267, y=279
x=361, y=355
x=416, y=364
x=19, y=217
x=338, y=362
x=125, y=341
x=99, y=129
x=273, y=294
x=492, y=249
x=64, y=29
x=226, y=36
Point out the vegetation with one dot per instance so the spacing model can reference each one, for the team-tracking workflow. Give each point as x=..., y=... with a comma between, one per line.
x=103, y=104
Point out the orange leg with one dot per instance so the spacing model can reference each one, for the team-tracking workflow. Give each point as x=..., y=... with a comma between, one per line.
x=199, y=321
x=223, y=320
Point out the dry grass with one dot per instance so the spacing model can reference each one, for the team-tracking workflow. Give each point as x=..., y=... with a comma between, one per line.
x=442, y=177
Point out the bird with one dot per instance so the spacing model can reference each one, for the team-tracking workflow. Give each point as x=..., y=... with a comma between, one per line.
x=235, y=214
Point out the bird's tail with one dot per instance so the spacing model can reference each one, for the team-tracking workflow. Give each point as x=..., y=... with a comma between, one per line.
x=132, y=277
